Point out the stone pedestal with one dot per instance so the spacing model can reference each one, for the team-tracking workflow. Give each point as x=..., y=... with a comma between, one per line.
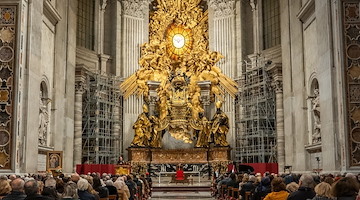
x=217, y=157
x=139, y=154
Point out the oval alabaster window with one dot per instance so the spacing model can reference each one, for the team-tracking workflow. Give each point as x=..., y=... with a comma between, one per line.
x=178, y=41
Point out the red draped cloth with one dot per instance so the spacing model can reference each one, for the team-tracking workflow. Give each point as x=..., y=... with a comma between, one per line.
x=180, y=175
x=97, y=168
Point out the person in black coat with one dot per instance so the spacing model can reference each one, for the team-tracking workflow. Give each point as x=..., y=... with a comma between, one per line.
x=305, y=191
x=248, y=186
x=345, y=189
x=112, y=189
x=132, y=187
x=232, y=182
x=32, y=191
x=17, y=190
x=103, y=191
x=262, y=189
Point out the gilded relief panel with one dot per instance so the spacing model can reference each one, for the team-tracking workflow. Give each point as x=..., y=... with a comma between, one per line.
x=7, y=66
x=183, y=156
x=351, y=21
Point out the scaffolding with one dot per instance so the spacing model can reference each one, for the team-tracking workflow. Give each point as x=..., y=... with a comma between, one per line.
x=255, y=117
x=102, y=120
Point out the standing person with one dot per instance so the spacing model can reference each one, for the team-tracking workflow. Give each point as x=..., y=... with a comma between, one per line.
x=305, y=191
x=278, y=189
x=345, y=189
x=120, y=161
x=323, y=191
x=17, y=190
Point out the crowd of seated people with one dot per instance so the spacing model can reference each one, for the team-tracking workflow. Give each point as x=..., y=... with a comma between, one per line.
x=83, y=187
x=286, y=187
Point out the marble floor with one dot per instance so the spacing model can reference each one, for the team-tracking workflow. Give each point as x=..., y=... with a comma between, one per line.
x=182, y=195
x=165, y=190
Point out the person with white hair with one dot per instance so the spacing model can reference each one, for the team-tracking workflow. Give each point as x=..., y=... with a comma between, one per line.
x=306, y=188
x=249, y=186
x=83, y=186
x=17, y=190
x=12, y=177
x=112, y=189
x=122, y=189
x=50, y=188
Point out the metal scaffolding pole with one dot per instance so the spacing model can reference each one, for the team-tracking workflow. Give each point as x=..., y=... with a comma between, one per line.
x=102, y=120
x=255, y=118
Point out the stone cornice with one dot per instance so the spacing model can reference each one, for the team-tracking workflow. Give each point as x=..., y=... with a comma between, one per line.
x=135, y=8
x=222, y=8
x=51, y=13
x=307, y=13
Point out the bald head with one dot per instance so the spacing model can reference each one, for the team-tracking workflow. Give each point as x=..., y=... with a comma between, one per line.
x=12, y=177
x=75, y=178
x=17, y=185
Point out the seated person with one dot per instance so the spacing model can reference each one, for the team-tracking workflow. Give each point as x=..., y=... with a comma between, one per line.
x=179, y=173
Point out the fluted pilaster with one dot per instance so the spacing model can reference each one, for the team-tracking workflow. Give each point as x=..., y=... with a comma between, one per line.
x=135, y=15
x=276, y=75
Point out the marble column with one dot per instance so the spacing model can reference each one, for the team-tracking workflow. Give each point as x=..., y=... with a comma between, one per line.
x=80, y=86
x=102, y=57
x=280, y=126
x=116, y=128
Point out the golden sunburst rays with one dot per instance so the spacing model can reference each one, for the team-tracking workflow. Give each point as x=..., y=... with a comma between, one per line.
x=178, y=37
x=129, y=86
x=179, y=41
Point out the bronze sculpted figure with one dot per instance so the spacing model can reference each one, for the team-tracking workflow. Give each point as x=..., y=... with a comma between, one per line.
x=219, y=127
x=142, y=128
x=202, y=131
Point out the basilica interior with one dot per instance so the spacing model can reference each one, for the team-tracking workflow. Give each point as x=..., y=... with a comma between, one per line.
x=271, y=84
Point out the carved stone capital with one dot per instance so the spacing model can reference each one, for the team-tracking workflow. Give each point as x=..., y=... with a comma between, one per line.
x=222, y=8
x=80, y=87
x=80, y=78
x=135, y=8
x=278, y=86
